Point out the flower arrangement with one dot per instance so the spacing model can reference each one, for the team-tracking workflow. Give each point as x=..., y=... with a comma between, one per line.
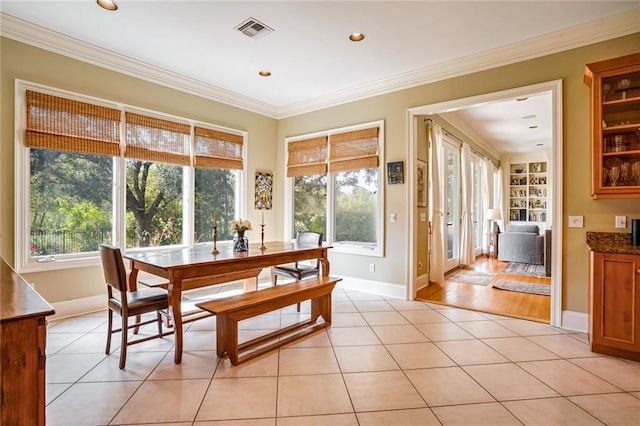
x=240, y=226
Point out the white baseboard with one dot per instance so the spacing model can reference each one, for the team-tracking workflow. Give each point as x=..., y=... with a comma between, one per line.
x=575, y=321
x=85, y=305
x=374, y=287
x=422, y=281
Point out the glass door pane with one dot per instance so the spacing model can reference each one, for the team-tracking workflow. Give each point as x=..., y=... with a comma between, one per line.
x=452, y=205
x=476, y=204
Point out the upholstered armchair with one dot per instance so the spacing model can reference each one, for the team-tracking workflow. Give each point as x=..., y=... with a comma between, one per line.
x=522, y=244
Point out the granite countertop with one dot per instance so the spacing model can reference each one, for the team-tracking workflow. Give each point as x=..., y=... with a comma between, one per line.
x=611, y=242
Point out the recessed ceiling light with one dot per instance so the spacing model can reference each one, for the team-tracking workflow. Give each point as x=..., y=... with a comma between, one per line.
x=107, y=4
x=526, y=117
x=521, y=99
x=356, y=37
x=265, y=73
x=533, y=127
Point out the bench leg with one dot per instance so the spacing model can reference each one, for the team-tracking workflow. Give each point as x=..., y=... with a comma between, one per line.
x=222, y=323
x=232, y=340
x=321, y=307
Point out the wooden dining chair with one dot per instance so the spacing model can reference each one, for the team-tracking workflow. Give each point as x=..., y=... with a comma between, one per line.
x=129, y=303
x=301, y=270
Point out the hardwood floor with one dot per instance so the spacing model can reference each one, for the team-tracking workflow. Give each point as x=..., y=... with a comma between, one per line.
x=487, y=299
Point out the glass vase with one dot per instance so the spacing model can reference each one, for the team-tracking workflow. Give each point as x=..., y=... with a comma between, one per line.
x=240, y=243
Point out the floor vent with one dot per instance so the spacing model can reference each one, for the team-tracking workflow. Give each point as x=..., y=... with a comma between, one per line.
x=253, y=28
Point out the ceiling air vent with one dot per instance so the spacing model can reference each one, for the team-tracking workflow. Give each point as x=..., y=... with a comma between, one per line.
x=253, y=28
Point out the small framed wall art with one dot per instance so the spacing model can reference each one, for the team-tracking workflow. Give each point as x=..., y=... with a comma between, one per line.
x=264, y=191
x=395, y=172
x=421, y=183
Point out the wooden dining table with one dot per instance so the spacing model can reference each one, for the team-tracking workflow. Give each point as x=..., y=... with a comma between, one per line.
x=187, y=268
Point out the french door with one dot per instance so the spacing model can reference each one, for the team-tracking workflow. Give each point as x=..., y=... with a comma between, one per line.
x=477, y=209
x=452, y=195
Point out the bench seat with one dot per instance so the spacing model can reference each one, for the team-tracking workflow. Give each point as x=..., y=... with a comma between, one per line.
x=230, y=310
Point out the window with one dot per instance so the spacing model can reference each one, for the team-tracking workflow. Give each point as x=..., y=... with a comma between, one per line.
x=335, y=187
x=89, y=172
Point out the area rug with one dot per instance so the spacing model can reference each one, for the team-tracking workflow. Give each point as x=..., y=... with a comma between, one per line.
x=542, y=289
x=465, y=276
x=524, y=269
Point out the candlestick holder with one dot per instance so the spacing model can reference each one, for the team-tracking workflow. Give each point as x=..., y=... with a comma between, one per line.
x=215, y=240
x=262, y=246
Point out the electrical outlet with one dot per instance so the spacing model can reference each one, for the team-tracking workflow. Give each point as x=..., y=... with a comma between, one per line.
x=372, y=267
x=392, y=217
x=621, y=221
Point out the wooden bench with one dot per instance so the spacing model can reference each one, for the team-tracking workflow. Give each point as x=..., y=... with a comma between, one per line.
x=232, y=309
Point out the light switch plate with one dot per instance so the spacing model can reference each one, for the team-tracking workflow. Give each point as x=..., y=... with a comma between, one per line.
x=576, y=221
x=621, y=222
x=423, y=217
x=392, y=217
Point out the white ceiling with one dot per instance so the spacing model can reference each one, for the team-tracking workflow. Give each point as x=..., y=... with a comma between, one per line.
x=191, y=45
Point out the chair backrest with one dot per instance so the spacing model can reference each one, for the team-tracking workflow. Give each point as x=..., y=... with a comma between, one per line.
x=306, y=239
x=113, y=267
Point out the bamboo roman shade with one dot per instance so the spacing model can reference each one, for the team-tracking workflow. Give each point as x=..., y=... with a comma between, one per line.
x=67, y=125
x=353, y=150
x=307, y=157
x=154, y=139
x=216, y=149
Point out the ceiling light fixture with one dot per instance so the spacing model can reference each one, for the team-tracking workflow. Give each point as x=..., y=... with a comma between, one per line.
x=533, y=127
x=265, y=73
x=356, y=37
x=521, y=99
x=526, y=117
x=107, y=4
x=539, y=144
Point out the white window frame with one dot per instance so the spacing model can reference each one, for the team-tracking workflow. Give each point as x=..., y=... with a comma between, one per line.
x=351, y=248
x=24, y=262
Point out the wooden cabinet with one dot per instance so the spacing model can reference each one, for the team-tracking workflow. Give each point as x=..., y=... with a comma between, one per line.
x=23, y=329
x=614, y=327
x=528, y=192
x=615, y=121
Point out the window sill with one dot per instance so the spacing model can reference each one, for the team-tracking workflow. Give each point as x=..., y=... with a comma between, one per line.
x=359, y=249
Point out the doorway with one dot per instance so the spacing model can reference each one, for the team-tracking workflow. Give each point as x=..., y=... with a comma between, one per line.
x=414, y=120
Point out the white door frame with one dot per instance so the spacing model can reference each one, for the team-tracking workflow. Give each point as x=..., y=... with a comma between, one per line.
x=413, y=122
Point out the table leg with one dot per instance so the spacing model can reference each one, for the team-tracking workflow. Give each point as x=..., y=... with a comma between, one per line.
x=250, y=284
x=133, y=286
x=324, y=265
x=175, y=313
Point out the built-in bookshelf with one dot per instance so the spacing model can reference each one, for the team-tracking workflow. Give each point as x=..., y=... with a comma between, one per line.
x=528, y=192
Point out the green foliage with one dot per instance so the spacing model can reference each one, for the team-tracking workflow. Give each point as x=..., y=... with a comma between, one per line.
x=70, y=196
x=310, y=203
x=154, y=198
x=214, y=192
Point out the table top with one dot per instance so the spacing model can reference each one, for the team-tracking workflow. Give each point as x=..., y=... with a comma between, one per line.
x=201, y=255
x=17, y=299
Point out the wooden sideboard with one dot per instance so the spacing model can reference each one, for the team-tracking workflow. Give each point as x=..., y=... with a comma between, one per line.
x=23, y=335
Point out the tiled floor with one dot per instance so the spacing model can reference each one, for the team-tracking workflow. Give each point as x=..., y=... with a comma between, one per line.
x=382, y=362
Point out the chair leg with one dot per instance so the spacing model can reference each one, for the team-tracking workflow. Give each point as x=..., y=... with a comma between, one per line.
x=159, y=323
x=123, y=348
x=298, y=306
x=275, y=279
x=109, y=332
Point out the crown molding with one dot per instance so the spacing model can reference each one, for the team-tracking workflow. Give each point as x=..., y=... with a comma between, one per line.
x=458, y=123
x=581, y=35
x=35, y=35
